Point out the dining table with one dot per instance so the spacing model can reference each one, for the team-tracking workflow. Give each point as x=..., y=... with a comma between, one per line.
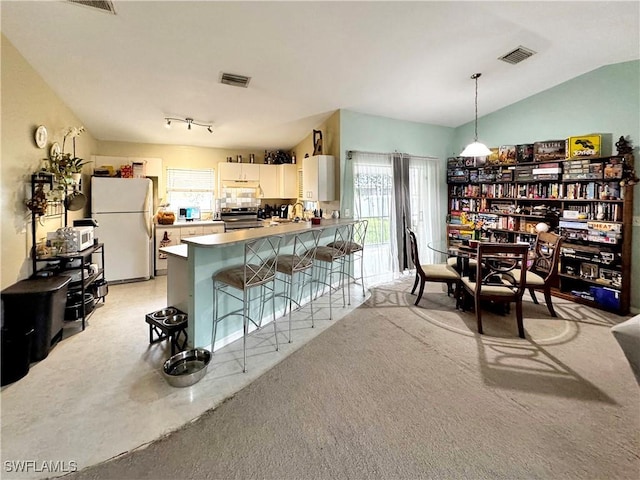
x=462, y=252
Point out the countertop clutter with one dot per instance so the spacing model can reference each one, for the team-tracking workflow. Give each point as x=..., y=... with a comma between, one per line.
x=191, y=224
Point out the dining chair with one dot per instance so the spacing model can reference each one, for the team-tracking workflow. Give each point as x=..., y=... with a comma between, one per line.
x=441, y=272
x=355, y=250
x=498, y=278
x=257, y=270
x=542, y=272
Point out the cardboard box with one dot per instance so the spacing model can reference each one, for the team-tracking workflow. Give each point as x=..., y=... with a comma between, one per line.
x=507, y=154
x=549, y=150
x=613, y=171
x=524, y=153
x=523, y=173
x=493, y=159
x=594, y=145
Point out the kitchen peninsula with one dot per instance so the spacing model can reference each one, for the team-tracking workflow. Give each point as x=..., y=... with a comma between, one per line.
x=192, y=264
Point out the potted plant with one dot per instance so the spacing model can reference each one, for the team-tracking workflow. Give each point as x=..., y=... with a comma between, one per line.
x=66, y=167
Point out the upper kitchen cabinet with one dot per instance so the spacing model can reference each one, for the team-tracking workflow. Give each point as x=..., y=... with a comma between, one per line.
x=269, y=181
x=249, y=172
x=288, y=180
x=238, y=174
x=279, y=181
x=318, y=178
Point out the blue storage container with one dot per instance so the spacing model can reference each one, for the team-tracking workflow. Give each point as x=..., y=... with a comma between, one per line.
x=607, y=297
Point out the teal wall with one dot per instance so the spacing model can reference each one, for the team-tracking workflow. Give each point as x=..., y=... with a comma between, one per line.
x=371, y=133
x=606, y=100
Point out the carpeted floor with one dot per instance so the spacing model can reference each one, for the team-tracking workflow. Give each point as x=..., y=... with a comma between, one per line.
x=395, y=391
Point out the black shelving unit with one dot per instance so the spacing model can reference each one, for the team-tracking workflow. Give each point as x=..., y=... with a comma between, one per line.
x=81, y=286
x=85, y=256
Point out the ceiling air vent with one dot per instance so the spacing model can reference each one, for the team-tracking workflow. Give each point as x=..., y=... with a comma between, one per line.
x=105, y=5
x=517, y=55
x=235, y=80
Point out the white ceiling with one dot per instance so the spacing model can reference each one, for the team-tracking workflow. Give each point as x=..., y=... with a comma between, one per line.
x=122, y=74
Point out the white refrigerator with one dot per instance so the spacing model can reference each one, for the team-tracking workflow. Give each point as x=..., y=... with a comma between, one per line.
x=122, y=207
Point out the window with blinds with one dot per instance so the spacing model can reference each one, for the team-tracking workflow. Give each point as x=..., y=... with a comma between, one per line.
x=190, y=188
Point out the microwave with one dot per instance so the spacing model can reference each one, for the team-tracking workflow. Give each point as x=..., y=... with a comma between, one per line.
x=83, y=237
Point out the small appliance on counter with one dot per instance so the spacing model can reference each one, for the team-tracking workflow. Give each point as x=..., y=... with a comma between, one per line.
x=284, y=211
x=85, y=222
x=188, y=214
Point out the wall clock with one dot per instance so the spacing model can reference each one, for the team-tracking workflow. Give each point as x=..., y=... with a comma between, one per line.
x=55, y=150
x=41, y=136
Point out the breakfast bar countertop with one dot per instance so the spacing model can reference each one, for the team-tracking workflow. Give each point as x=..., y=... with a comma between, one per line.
x=241, y=236
x=190, y=285
x=180, y=251
x=189, y=224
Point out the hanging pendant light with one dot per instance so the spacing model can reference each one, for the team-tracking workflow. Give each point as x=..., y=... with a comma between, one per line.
x=476, y=149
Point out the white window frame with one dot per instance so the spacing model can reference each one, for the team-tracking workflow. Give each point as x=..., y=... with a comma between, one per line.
x=187, y=187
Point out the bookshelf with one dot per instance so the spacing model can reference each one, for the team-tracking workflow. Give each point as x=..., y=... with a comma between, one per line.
x=589, y=201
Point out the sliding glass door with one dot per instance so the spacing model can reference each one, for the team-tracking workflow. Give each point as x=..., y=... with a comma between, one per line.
x=373, y=200
x=395, y=191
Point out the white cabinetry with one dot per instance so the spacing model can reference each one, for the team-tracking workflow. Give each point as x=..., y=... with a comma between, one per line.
x=239, y=171
x=167, y=235
x=288, y=180
x=269, y=181
x=152, y=166
x=191, y=231
x=211, y=229
x=279, y=181
x=318, y=178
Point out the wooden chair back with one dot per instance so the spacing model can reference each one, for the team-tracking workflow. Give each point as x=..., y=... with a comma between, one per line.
x=499, y=264
x=547, y=254
x=413, y=244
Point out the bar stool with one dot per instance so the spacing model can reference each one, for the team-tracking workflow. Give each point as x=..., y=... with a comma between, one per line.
x=299, y=262
x=355, y=249
x=257, y=270
x=327, y=258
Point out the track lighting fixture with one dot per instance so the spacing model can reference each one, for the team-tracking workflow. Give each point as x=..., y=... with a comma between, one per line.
x=188, y=121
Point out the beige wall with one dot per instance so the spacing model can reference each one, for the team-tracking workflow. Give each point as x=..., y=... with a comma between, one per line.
x=175, y=156
x=26, y=103
x=330, y=146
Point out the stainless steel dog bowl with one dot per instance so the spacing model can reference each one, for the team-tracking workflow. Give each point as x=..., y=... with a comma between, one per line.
x=176, y=319
x=186, y=368
x=164, y=313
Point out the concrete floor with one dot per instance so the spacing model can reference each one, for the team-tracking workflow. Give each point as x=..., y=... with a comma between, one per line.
x=101, y=393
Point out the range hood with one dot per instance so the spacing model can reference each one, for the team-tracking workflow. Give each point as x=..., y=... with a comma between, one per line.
x=241, y=183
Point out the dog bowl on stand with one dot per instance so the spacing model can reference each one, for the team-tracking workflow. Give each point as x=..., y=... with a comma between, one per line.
x=164, y=313
x=186, y=368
